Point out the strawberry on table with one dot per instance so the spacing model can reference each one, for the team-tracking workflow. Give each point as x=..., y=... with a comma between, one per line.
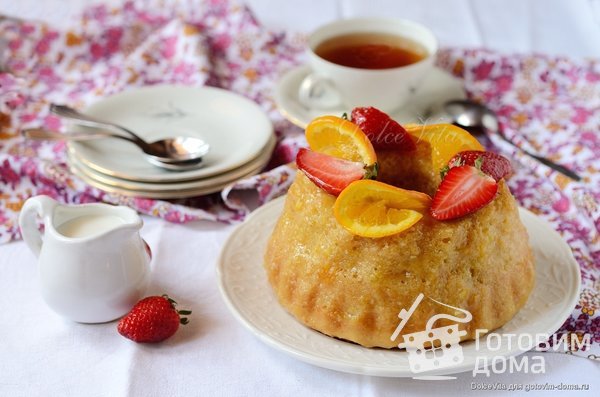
x=330, y=173
x=490, y=163
x=153, y=319
x=464, y=190
x=382, y=131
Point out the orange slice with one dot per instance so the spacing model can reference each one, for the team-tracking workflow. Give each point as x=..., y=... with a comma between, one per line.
x=445, y=140
x=375, y=209
x=340, y=138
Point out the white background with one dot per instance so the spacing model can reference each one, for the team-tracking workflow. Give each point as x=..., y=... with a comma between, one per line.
x=41, y=354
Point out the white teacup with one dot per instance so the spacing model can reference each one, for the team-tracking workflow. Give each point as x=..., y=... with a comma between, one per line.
x=333, y=86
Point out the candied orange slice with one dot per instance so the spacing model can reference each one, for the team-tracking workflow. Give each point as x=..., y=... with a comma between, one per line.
x=340, y=138
x=445, y=140
x=375, y=209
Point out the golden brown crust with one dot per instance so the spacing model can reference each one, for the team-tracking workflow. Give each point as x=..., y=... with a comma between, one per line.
x=353, y=288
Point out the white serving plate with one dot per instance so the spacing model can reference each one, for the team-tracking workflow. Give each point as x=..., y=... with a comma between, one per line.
x=246, y=291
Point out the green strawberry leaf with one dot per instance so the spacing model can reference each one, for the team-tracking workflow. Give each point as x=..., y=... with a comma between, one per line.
x=444, y=171
x=371, y=171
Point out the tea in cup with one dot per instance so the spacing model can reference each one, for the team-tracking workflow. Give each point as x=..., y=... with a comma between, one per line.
x=367, y=62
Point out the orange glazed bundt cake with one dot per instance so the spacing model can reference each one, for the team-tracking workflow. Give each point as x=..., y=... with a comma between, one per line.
x=349, y=253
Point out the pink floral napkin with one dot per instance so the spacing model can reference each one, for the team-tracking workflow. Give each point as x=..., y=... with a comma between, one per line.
x=550, y=106
x=108, y=50
x=547, y=105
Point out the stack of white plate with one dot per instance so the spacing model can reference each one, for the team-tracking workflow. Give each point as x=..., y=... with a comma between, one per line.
x=240, y=136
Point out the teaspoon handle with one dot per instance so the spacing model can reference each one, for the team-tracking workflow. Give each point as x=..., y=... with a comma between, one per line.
x=557, y=167
x=83, y=119
x=43, y=134
x=551, y=164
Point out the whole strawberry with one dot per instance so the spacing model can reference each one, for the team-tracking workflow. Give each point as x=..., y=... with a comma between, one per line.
x=153, y=319
x=490, y=163
x=382, y=131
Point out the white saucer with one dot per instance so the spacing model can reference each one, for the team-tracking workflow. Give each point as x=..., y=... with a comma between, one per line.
x=162, y=194
x=246, y=290
x=235, y=127
x=426, y=104
x=172, y=189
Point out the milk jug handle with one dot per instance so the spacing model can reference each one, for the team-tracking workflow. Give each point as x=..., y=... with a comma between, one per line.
x=42, y=206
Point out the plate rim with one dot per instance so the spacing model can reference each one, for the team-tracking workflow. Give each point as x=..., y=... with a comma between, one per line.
x=303, y=69
x=164, y=195
x=344, y=366
x=258, y=162
x=191, y=174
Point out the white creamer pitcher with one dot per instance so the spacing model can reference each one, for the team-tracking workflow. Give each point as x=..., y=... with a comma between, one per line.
x=93, y=264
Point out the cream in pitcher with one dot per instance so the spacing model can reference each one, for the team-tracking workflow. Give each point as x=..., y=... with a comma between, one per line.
x=93, y=264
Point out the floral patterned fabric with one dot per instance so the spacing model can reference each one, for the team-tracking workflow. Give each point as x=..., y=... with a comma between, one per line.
x=547, y=105
x=218, y=43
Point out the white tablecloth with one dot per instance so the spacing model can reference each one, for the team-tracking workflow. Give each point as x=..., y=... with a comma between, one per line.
x=44, y=355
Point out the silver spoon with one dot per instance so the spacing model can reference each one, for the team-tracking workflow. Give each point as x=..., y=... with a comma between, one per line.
x=472, y=115
x=43, y=134
x=169, y=150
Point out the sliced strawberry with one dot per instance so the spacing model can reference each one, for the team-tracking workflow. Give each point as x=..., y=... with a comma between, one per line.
x=332, y=174
x=492, y=164
x=464, y=190
x=382, y=131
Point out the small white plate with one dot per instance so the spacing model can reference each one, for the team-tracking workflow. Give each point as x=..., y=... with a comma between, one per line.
x=426, y=104
x=170, y=190
x=247, y=293
x=255, y=164
x=235, y=127
x=164, y=194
